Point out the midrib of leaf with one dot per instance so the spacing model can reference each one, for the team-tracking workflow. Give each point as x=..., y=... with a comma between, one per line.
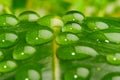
x=56, y=73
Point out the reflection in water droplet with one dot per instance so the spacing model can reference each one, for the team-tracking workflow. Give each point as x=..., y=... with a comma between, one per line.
x=107, y=41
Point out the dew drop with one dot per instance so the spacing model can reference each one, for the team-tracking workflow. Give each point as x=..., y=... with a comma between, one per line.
x=40, y=36
x=29, y=16
x=83, y=72
x=86, y=50
x=50, y=21
x=73, y=16
x=7, y=66
x=113, y=37
x=66, y=38
x=8, y=21
x=113, y=58
x=72, y=27
x=8, y=39
x=23, y=52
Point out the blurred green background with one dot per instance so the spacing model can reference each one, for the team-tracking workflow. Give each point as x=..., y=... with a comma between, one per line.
x=108, y=8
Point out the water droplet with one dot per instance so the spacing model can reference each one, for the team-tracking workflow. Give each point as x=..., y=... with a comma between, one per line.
x=28, y=72
x=86, y=50
x=113, y=37
x=98, y=36
x=83, y=72
x=116, y=78
x=67, y=38
x=29, y=16
x=72, y=27
x=8, y=39
x=7, y=66
x=8, y=21
x=33, y=75
x=101, y=25
x=1, y=55
x=68, y=53
x=50, y=21
x=73, y=16
x=39, y=36
x=71, y=76
x=23, y=52
x=112, y=76
x=113, y=58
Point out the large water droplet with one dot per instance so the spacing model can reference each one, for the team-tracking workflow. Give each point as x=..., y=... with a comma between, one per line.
x=50, y=21
x=72, y=27
x=97, y=25
x=83, y=72
x=73, y=16
x=28, y=72
x=8, y=21
x=112, y=76
x=71, y=76
x=113, y=58
x=68, y=53
x=67, y=38
x=23, y=52
x=39, y=36
x=113, y=37
x=98, y=36
x=7, y=66
x=86, y=50
x=8, y=39
x=33, y=75
x=29, y=16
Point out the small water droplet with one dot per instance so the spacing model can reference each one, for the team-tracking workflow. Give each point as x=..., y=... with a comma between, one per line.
x=7, y=66
x=113, y=37
x=67, y=38
x=86, y=50
x=39, y=36
x=113, y=58
x=8, y=21
x=73, y=16
x=29, y=16
x=51, y=21
x=72, y=27
x=83, y=72
x=23, y=52
x=8, y=39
